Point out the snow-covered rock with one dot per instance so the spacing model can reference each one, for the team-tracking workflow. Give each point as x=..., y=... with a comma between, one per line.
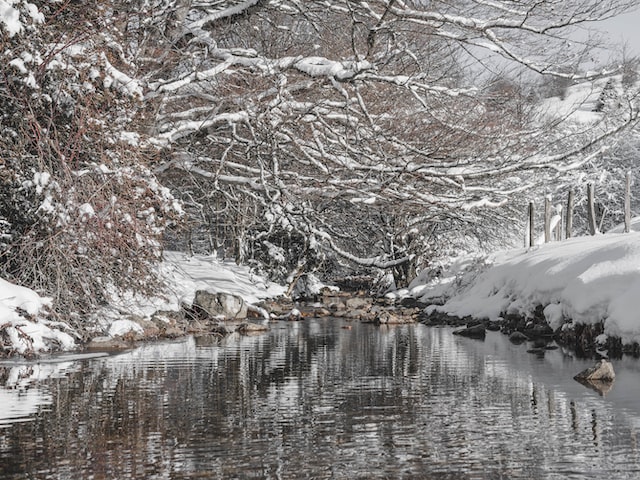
x=24, y=326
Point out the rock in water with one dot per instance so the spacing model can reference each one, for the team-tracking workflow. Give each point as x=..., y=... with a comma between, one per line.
x=518, y=337
x=474, y=331
x=602, y=371
x=253, y=327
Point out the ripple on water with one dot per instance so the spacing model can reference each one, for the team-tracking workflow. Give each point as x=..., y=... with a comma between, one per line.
x=311, y=400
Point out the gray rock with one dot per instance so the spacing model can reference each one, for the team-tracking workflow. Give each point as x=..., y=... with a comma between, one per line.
x=107, y=344
x=602, y=371
x=387, y=317
x=358, y=303
x=253, y=327
x=220, y=304
x=518, y=337
x=474, y=331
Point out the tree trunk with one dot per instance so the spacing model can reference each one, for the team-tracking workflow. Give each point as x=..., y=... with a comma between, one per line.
x=593, y=225
x=627, y=204
x=547, y=219
x=570, y=202
x=532, y=240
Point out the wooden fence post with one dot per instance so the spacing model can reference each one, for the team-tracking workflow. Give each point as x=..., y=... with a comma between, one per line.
x=532, y=240
x=570, y=202
x=558, y=230
x=627, y=204
x=593, y=225
x=547, y=219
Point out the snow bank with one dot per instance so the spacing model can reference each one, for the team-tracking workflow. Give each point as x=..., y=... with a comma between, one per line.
x=586, y=280
x=184, y=275
x=29, y=335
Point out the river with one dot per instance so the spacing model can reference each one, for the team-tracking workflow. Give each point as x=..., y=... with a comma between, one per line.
x=315, y=400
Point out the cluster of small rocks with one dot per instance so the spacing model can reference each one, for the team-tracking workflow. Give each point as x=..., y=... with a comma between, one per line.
x=361, y=307
x=224, y=313
x=538, y=334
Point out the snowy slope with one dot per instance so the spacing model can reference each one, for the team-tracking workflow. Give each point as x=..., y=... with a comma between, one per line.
x=586, y=280
x=31, y=332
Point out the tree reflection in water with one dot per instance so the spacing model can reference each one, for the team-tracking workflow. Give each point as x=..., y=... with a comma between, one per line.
x=312, y=400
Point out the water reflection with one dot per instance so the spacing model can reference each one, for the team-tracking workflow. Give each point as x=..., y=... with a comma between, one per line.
x=312, y=400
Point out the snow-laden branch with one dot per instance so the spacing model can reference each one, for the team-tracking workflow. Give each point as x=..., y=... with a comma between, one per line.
x=382, y=262
x=173, y=132
x=227, y=11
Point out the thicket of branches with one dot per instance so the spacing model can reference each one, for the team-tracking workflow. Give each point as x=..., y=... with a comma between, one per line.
x=374, y=133
x=81, y=214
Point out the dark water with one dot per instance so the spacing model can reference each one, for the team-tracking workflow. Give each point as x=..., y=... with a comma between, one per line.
x=313, y=400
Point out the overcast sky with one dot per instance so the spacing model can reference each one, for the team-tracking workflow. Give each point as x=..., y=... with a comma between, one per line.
x=625, y=28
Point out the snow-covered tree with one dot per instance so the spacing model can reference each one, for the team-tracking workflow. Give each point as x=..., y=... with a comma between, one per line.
x=326, y=122
x=301, y=135
x=81, y=214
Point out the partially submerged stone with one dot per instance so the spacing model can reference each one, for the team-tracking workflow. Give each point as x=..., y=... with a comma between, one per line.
x=251, y=327
x=107, y=344
x=518, y=337
x=391, y=317
x=474, y=331
x=602, y=371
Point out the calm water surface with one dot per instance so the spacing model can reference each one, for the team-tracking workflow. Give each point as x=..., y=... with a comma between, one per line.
x=314, y=400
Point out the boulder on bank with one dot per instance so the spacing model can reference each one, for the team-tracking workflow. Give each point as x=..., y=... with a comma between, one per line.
x=602, y=372
x=219, y=304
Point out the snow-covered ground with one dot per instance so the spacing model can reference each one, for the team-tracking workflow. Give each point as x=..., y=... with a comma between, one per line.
x=584, y=280
x=18, y=305
x=185, y=274
x=587, y=279
x=23, y=311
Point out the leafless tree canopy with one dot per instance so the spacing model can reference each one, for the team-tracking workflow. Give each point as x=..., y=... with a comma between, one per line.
x=316, y=112
x=303, y=134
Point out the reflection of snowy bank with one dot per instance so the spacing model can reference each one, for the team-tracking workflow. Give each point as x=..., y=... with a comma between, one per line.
x=20, y=405
x=23, y=391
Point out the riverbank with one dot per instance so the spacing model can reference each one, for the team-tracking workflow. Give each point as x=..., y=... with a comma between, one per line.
x=203, y=296
x=582, y=292
x=28, y=328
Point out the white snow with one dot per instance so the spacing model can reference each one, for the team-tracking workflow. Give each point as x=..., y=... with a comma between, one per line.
x=584, y=280
x=120, y=80
x=122, y=327
x=10, y=18
x=184, y=275
x=33, y=334
x=86, y=210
